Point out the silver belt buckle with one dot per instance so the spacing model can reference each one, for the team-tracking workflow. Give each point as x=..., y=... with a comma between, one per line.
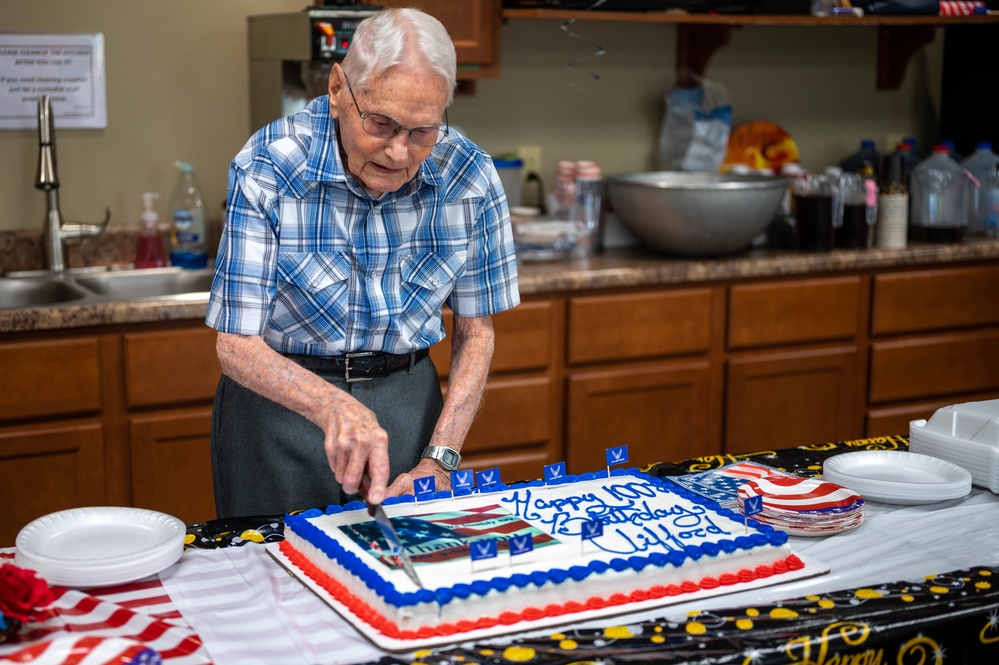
x=346, y=366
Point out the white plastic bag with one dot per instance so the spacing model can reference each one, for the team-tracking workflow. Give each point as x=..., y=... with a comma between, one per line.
x=696, y=127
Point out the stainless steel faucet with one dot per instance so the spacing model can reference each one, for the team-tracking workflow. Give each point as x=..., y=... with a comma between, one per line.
x=57, y=232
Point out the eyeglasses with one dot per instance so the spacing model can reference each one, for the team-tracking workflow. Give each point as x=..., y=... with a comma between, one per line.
x=384, y=127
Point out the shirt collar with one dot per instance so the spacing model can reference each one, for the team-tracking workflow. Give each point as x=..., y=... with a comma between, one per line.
x=324, y=163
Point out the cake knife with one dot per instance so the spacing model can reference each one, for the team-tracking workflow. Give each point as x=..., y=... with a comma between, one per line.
x=388, y=531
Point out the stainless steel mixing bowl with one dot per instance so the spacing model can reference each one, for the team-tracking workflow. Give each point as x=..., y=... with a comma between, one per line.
x=695, y=213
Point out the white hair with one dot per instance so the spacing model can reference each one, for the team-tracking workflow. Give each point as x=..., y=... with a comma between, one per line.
x=392, y=37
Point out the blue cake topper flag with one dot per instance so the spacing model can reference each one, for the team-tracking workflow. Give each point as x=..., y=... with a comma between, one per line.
x=592, y=529
x=521, y=544
x=424, y=487
x=554, y=472
x=617, y=455
x=482, y=549
x=752, y=505
x=463, y=479
x=488, y=478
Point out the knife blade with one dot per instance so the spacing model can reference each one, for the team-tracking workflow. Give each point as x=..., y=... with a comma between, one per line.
x=395, y=543
x=396, y=547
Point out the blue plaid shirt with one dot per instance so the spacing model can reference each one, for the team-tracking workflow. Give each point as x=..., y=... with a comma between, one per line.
x=316, y=265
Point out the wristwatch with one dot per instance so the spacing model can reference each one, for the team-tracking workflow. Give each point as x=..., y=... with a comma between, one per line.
x=448, y=458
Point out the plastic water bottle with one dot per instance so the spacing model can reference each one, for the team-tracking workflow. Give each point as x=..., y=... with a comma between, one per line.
x=982, y=165
x=868, y=154
x=563, y=194
x=938, y=188
x=586, y=212
x=188, y=248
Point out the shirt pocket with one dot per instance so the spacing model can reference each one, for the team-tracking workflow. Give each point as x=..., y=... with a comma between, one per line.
x=313, y=295
x=427, y=281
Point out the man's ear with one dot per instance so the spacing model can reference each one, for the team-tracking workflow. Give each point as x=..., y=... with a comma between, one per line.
x=334, y=86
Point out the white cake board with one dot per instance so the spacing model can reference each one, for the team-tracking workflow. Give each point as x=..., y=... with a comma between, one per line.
x=811, y=568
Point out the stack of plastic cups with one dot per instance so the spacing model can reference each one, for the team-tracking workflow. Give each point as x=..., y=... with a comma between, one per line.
x=563, y=196
x=892, y=225
x=586, y=211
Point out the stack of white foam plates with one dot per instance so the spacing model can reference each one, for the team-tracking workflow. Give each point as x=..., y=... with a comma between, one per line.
x=892, y=476
x=100, y=546
x=964, y=434
x=804, y=506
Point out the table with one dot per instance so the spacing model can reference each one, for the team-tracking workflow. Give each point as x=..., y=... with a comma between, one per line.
x=912, y=584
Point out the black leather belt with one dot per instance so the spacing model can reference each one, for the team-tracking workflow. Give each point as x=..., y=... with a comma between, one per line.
x=360, y=366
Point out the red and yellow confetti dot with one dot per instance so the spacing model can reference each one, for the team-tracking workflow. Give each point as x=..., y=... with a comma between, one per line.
x=939, y=589
x=752, y=612
x=252, y=535
x=827, y=604
x=907, y=598
x=983, y=585
x=188, y=538
x=568, y=645
x=657, y=639
x=744, y=624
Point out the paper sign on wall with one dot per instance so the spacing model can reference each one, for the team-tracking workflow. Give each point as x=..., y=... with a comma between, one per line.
x=67, y=68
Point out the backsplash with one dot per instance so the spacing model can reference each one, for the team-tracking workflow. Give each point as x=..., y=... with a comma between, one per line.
x=24, y=249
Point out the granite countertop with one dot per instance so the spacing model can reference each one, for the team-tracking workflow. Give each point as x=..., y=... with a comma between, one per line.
x=610, y=270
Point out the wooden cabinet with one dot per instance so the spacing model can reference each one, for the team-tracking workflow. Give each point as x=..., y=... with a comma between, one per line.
x=474, y=29
x=783, y=399
x=639, y=374
x=106, y=418
x=793, y=387
x=171, y=468
x=49, y=467
x=935, y=342
x=661, y=411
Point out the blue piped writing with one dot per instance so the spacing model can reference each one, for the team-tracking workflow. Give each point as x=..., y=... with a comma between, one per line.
x=631, y=524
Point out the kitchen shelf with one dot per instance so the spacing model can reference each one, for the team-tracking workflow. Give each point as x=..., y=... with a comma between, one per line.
x=700, y=36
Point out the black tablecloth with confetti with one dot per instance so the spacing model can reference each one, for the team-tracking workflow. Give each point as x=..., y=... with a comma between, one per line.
x=950, y=617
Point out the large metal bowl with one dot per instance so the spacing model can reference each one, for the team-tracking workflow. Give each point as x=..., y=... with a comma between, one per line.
x=694, y=213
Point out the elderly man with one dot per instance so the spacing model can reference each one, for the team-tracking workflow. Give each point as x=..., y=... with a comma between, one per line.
x=348, y=227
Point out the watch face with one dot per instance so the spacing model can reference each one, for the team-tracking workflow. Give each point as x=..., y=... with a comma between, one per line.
x=450, y=459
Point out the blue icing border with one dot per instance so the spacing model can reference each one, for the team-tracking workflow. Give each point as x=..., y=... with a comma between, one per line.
x=300, y=524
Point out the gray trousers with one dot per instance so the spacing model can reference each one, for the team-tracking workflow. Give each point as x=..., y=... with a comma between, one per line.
x=269, y=460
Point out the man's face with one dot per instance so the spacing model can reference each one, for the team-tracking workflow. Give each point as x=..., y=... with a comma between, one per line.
x=412, y=97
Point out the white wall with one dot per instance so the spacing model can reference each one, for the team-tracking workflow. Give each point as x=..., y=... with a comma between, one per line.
x=177, y=89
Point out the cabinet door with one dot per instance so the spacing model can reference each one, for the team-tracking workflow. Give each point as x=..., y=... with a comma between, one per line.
x=472, y=24
x=170, y=366
x=639, y=325
x=45, y=468
x=49, y=377
x=171, y=464
x=661, y=412
x=791, y=399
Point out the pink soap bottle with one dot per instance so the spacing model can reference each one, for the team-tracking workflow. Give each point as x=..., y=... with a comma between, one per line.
x=149, y=252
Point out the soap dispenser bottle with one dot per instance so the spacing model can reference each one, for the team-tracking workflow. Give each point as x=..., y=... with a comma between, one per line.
x=149, y=252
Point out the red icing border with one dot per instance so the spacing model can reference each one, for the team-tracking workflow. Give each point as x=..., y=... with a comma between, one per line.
x=380, y=623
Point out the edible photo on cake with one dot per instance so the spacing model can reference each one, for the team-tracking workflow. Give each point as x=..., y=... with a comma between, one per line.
x=441, y=536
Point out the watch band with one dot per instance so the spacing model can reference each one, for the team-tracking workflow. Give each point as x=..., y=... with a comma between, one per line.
x=448, y=458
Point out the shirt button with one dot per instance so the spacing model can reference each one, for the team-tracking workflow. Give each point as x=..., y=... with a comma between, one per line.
x=435, y=281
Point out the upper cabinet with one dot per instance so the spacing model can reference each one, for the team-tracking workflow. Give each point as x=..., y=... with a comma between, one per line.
x=473, y=26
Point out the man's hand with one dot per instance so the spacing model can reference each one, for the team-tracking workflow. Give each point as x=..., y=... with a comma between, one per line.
x=427, y=467
x=356, y=445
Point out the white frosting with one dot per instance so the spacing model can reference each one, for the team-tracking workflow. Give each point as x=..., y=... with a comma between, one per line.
x=640, y=516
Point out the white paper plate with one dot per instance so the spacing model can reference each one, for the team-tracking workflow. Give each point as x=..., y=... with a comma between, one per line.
x=100, y=546
x=891, y=476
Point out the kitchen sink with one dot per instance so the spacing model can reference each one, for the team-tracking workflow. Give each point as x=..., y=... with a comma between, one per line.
x=21, y=292
x=42, y=289
x=146, y=284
